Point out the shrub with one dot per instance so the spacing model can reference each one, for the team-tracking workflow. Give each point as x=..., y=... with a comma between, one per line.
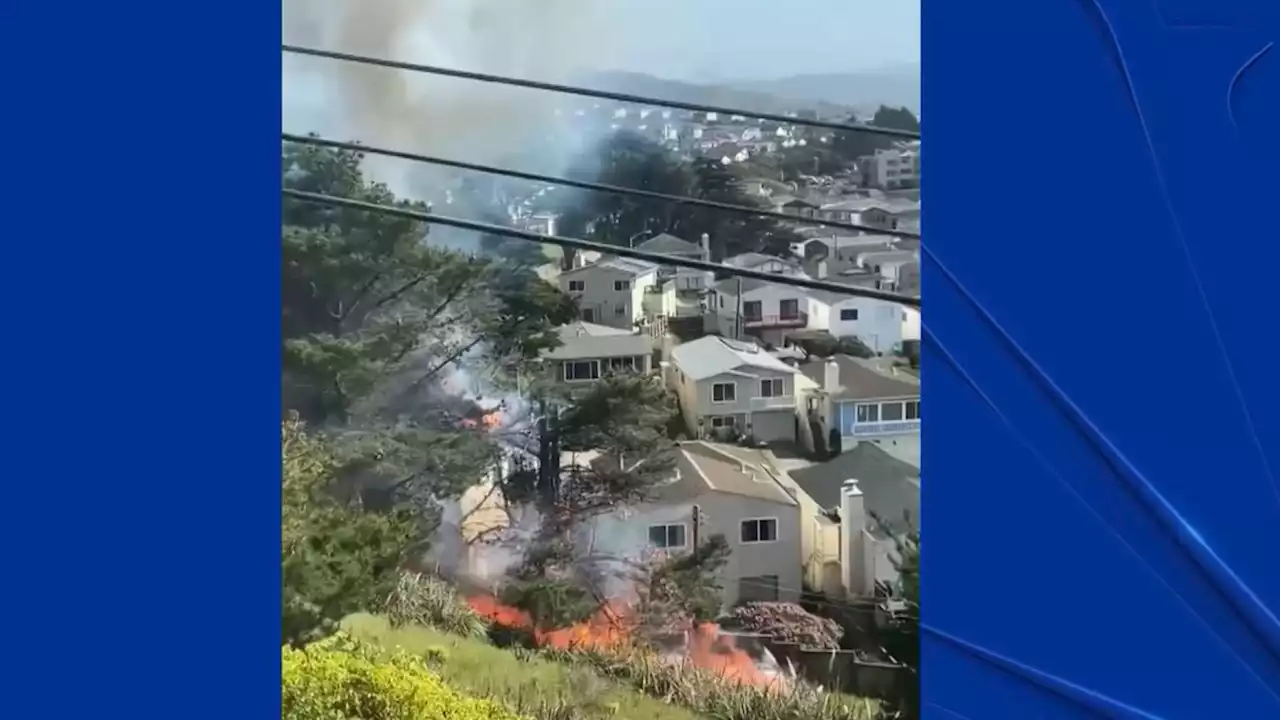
x=420, y=599
x=788, y=622
x=341, y=679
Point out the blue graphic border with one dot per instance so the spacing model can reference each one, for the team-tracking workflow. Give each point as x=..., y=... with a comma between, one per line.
x=1101, y=513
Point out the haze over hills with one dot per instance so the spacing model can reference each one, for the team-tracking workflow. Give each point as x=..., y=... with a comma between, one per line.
x=829, y=93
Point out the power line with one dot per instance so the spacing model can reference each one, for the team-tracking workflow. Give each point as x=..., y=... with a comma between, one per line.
x=602, y=248
x=591, y=93
x=597, y=187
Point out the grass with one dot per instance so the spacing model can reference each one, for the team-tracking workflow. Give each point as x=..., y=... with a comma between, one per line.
x=531, y=686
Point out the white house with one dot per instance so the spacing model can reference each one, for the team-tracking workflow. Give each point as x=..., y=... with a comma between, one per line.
x=880, y=325
x=733, y=387
x=767, y=310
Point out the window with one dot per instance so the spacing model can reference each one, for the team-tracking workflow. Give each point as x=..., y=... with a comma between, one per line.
x=849, y=314
x=622, y=363
x=724, y=392
x=577, y=285
x=723, y=421
x=588, y=314
x=771, y=387
x=582, y=370
x=789, y=308
x=722, y=301
x=760, y=530
x=621, y=285
x=913, y=410
x=868, y=413
x=752, y=309
x=667, y=536
x=891, y=412
x=620, y=311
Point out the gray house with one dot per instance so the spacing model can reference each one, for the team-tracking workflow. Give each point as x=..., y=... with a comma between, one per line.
x=589, y=352
x=732, y=387
x=715, y=490
x=611, y=292
x=862, y=400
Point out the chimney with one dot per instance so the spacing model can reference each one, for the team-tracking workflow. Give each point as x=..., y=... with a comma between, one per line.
x=831, y=376
x=706, y=247
x=855, y=570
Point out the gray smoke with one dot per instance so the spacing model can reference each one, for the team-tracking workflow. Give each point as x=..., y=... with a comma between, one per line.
x=551, y=40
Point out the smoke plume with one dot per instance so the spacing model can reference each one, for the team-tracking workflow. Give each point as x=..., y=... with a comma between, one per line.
x=551, y=40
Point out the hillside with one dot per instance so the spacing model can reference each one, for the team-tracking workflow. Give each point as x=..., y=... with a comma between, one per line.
x=831, y=94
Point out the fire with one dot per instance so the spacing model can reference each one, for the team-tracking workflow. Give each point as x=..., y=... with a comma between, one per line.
x=706, y=646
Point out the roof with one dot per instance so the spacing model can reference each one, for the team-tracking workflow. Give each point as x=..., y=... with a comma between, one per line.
x=890, y=487
x=667, y=244
x=885, y=257
x=627, y=266
x=584, y=340
x=712, y=355
x=860, y=382
x=704, y=468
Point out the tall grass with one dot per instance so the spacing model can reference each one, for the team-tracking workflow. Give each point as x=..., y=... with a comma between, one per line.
x=420, y=599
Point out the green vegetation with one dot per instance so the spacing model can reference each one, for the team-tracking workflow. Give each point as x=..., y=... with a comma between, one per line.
x=531, y=685
x=339, y=678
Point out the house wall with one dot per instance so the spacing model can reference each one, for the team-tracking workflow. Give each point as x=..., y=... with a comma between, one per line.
x=602, y=300
x=819, y=540
x=879, y=324
x=911, y=324
x=620, y=539
x=771, y=418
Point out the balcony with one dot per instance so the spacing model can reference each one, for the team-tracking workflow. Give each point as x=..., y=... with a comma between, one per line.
x=781, y=402
x=793, y=320
x=885, y=428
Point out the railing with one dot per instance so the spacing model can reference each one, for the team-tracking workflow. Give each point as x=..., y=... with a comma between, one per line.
x=886, y=428
x=800, y=319
x=782, y=402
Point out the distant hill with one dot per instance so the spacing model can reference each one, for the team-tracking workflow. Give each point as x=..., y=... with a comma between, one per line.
x=897, y=86
x=829, y=94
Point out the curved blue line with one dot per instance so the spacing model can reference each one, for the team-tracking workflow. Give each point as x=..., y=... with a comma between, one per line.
x=1235, y=81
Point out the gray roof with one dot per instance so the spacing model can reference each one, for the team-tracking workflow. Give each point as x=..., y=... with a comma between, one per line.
x=712, y=355
x=890, y=487
x=705, y=468
x=583, y=340
x=859, y=382
x=754, y=259
x=667, y=244
x=884, y=257
x=628, y=266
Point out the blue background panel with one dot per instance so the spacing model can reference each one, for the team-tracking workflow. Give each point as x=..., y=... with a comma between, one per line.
x=141, y=356
x=1103, y=511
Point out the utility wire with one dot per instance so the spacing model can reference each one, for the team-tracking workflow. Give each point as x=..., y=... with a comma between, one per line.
x=597, y=187
x=602, y=248
x=588, y=92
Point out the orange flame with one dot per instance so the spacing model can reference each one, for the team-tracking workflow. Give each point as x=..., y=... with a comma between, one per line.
x=707, y=648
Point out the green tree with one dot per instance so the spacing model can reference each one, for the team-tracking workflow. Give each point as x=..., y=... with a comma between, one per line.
x=374, y=317
x=631, y=161
x=334, y=558
x=853, y=145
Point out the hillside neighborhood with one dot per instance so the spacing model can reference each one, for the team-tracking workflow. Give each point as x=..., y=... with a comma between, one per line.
x=525, y=479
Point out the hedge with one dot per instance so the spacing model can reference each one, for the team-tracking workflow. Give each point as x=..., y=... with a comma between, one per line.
x=341, y=679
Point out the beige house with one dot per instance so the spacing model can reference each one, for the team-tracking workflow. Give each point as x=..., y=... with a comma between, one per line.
x=729, y=387
x=715, y=489
x=589, y=352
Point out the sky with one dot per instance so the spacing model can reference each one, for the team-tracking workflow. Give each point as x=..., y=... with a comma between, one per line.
x=715, y=40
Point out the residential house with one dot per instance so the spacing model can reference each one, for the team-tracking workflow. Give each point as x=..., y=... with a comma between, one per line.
x=611, y=292
x=894, y=168
x=865, y=497
x=881, y=325
x=713, y=490
x=680, y=289
x=765, y=263
x=732, y=387
x=858, y=400
x=766, y=310
x=887, y=263
x=588, y=352
x=792, y=205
